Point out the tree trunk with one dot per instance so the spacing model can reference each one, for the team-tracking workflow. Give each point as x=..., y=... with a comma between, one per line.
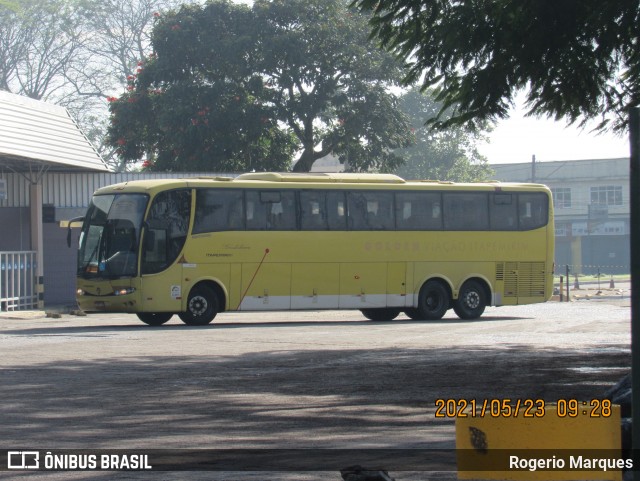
x=306, y=161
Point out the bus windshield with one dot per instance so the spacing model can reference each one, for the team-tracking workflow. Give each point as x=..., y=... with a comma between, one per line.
x=110, y=236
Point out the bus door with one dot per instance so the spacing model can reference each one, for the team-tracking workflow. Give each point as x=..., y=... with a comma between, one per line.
x=163, y=258
x=163, y=292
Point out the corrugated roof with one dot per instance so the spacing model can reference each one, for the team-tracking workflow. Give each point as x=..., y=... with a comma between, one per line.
x=74, y=189
x=32, y=131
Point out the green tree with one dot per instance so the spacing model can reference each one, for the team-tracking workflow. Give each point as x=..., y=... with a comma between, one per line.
x=450, y=154
x=197, y=103
x=232, y=87
x=578, y=59
x=116, y=40
x=331, y=84
x=35, y=53
x=74, y=53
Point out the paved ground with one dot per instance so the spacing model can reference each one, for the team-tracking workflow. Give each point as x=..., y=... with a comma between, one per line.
x=290, y=380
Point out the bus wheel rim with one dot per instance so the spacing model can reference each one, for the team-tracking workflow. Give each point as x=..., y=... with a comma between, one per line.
x=472, y=299
x=198, y=305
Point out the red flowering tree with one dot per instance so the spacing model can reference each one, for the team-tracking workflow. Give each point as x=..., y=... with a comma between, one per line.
x=232, y=87
x=194, y=107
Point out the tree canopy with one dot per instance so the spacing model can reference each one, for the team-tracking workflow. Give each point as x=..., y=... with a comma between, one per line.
x=33, y=54
x=578, y=59
x=74, y=53
x=450, y=154
x=233, y=87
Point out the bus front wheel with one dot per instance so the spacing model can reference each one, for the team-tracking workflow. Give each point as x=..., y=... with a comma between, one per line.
x=154, y=318
x=202, y=306
x=433, y=301
x=471, y=301
x=380, y=314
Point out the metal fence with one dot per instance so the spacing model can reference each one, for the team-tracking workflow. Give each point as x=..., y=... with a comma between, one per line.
x=603, y=279
x=593, y=270
x=18, y=281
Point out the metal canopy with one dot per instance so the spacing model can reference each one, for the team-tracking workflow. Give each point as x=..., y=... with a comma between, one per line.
x=36, y=136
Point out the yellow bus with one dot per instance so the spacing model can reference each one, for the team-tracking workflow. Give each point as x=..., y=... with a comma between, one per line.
x=196, y=247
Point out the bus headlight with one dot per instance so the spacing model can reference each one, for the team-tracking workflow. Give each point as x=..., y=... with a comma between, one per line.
x=80, y=292
x=123, y=291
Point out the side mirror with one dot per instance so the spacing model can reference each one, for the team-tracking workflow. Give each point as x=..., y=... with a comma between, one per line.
x=75, y=219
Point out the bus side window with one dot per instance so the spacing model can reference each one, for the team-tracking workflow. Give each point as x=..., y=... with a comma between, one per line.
x=407, y=215
x=533, y=210
x=256, y=215
x=336, y=210
x=281, y=210
x=357, y=211
x=169, y=217
x=370, y=210
x=503, y=211
x=466, y=211
x=271, y=210
x=418, y=211
x=313, y=211
x=218, y=210
x=384, y=212
x=235, y=214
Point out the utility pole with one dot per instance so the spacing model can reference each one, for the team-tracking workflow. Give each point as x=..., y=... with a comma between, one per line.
x=533, y=168
x=634, y=223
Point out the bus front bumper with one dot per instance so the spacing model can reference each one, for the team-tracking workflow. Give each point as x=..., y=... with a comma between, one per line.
x=122, y=299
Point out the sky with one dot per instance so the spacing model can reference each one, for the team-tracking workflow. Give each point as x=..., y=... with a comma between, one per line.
x=517, y=138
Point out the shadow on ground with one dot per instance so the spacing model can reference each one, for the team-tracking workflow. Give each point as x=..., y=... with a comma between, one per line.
x=325, y=398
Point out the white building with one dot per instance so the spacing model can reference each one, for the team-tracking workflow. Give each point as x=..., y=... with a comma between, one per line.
x=36, y=139
x=591, y=200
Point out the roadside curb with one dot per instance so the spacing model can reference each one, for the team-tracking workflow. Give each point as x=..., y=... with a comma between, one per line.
x=17, y=315
x=39, y=314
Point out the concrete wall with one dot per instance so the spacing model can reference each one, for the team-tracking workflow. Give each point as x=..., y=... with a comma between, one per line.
x=15, y=231
x=59, y=260
x=59, y=266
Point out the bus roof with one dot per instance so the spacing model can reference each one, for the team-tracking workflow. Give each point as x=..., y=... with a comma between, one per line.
x=355, y=178
x=273, y=179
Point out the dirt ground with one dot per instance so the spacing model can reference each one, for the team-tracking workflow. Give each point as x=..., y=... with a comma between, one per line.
x=287, y=380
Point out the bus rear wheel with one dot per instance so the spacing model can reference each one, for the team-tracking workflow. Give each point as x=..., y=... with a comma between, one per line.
x=380, y=314
x=202, y=306
x=154, y=318
x=433, y=301
x=471, y=300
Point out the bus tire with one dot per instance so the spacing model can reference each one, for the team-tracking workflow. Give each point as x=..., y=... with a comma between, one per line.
x=433, y=301
x=202, y=306
x=471, y=301
x=380, y=314
x=154, y=318
x=414, y=314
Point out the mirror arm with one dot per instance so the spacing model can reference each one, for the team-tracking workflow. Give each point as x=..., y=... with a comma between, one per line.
x=75, y=219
